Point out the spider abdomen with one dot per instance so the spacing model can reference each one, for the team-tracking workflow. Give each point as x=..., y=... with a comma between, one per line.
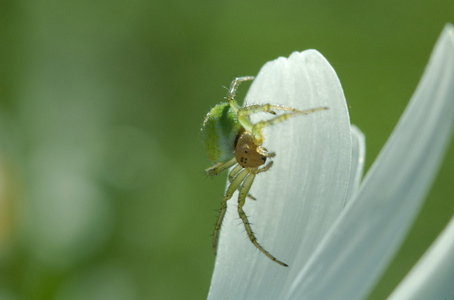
x=220, y=130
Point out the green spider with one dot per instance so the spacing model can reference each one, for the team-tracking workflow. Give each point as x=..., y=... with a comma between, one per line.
x=231, y=139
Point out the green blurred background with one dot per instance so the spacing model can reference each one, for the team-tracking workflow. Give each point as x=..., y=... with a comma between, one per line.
x=102, y=188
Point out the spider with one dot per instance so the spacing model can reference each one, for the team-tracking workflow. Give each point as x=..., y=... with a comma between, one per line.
x=231, y=139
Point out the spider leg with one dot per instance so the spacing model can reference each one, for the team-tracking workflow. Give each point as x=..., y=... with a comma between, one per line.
x=262, y=150
x=233, y=88
x=244, y=189
x=257, y=128
x=219, y=167
x=251, y=197
x=245, y=112
x=269, y=108
x=235, y=172
x=232, y=175
x=265, y=168
x=228, y=194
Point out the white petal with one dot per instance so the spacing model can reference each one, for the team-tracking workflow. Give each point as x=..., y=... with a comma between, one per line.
x=432, y=277
x=358, y=160
x=361, y=243
x=302, y=194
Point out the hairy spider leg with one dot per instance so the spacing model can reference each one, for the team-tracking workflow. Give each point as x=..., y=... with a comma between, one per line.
x=234, y=172
x=265, y=168
x=257, y=127
x=232, y=175
x=219, y=167
x=245, y=112
x=235, y=180
x=244, y=190
x=233, y=88
x=234, y=185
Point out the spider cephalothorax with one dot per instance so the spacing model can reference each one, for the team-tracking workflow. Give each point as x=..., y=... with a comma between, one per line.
x=230, y=139
x=246, y=153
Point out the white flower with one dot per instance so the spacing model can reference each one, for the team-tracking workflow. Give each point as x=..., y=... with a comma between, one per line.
x=309, y=212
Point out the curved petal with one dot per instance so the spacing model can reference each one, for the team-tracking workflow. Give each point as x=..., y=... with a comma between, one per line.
x=355, y=252
x=304, y=191
x=432, y=276
x=358, y=160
